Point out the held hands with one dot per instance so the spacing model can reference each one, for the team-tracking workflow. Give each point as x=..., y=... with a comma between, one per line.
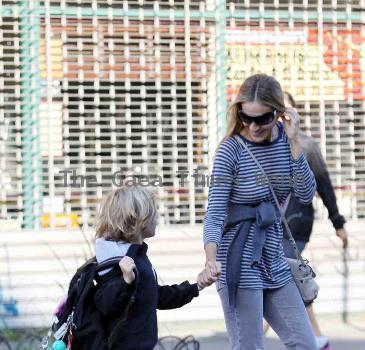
x=342, y=234
x=127, y=265
x=205, y=278
x=209, y=275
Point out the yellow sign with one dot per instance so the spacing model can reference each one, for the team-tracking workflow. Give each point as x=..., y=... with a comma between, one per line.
x=289, y=58
x=52, y=57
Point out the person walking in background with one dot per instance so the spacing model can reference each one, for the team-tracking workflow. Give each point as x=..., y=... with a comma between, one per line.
x=242, y=230
x=300, y=216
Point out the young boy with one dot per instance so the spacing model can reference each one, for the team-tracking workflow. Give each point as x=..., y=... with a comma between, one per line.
x=127, y=217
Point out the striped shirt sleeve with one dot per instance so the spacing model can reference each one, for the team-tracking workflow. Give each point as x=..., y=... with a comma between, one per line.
x=304, y=183
x=222, y=178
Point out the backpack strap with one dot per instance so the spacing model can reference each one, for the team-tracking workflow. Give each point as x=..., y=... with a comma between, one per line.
x=111, y=262
x=132, y=252
x=115, y=330
x=87, y=263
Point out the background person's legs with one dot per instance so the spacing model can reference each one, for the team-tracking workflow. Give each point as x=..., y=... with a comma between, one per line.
x=286, y=314
x=244, y=322
x=322, y=342
x=313, y=320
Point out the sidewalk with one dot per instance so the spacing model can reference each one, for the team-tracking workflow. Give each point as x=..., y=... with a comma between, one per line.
x=38, y=265
x=212, y=336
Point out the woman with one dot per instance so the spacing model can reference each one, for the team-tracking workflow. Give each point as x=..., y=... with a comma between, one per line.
x=300, y=216
x=242, y=230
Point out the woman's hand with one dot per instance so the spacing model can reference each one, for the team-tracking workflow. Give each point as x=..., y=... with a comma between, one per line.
x=291, y=123
x=209, y=275
x=212, y=269
x=127, y=265
x=291, y=126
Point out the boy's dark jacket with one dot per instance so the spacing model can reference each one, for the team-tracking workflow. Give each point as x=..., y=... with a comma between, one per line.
x=139, y=330
x=300, y=216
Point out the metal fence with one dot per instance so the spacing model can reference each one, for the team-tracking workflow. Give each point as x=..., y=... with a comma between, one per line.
x=95, y=90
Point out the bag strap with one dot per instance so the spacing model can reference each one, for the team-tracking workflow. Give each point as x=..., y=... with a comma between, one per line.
x=286, y=204
x=281, y=211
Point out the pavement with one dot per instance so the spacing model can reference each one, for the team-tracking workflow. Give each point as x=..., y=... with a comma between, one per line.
x=177, y=255
x=211, y=334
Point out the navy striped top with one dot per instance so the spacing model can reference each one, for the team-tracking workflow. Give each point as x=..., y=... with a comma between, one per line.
x=236, y=178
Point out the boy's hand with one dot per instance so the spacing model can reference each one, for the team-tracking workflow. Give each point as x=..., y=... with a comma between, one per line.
x=207, y=278
x=127, y=265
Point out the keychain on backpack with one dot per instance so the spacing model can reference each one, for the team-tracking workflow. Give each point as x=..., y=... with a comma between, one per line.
x=59, y=335
x=69, y=340
x=59, y=345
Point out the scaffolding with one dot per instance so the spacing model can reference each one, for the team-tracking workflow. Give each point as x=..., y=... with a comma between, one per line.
x=99, y=90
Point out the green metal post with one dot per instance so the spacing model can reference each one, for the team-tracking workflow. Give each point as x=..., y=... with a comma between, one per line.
x=221, y=66
x=30, y=90
x=282, y=15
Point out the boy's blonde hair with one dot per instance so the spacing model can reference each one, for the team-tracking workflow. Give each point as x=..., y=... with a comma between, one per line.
x=125, y=213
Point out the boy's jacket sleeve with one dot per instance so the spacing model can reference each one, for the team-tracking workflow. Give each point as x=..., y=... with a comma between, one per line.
x=113, y=296
x=177, y=295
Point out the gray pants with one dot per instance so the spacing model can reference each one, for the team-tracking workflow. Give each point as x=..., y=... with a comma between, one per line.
x=282, y=308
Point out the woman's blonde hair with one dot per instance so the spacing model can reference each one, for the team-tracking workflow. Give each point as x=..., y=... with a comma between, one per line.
x=260, y=88
x=125, y=213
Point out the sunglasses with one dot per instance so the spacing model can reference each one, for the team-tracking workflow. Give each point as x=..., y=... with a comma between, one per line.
x=263, y=119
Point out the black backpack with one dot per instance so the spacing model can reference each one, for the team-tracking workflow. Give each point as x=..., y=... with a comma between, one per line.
x=79, y=322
